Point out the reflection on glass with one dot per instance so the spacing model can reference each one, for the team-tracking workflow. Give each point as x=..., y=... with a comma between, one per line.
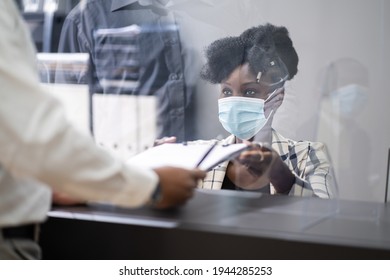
x=135, y=50
x=345, y=96
x=75, y=97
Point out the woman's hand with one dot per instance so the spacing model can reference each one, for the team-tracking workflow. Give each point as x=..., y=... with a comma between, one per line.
x=257, y=167
x=164, y=140
x=251, y=169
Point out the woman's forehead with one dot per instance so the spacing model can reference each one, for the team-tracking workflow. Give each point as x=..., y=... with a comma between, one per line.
x=241, y=73
x=244, y=74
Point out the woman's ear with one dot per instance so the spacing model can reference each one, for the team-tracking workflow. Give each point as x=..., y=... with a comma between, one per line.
x=274, y=101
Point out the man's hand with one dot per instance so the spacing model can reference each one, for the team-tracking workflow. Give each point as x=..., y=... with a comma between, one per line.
x=64, y=199
x=177, y=185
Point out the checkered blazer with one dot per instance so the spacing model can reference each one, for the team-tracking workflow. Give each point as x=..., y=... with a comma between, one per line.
x=308, y=161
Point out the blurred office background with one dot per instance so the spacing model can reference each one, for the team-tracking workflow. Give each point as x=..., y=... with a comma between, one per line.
x=339, y=95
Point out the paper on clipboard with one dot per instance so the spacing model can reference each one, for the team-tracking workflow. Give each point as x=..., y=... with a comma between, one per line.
x=186, y=156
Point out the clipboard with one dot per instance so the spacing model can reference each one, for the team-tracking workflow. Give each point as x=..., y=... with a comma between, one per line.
x=202, y=156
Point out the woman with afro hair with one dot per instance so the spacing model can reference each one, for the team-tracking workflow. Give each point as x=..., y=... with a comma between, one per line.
x=251, y=70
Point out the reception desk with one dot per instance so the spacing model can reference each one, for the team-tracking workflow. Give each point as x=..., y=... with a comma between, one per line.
x=222, y=225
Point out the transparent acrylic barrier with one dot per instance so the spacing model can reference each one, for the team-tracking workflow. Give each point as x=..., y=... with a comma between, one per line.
x=322, y=103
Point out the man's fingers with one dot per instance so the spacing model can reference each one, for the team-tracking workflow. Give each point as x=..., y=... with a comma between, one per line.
x=198, y=173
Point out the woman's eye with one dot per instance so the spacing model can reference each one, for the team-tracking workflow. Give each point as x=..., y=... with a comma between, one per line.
x=226, y=92
x=250, y=92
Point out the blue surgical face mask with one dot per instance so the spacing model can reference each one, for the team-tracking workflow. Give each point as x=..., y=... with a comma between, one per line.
x=349, y=100
x=242, y=116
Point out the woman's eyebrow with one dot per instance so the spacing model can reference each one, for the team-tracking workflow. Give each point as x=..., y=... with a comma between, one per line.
x=250, y=83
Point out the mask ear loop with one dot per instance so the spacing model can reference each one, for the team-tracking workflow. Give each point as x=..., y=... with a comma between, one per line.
x=276, y=91
x=273, y=93
x=270, y=114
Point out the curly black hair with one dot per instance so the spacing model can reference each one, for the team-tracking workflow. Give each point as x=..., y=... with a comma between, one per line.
x=265, y=47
